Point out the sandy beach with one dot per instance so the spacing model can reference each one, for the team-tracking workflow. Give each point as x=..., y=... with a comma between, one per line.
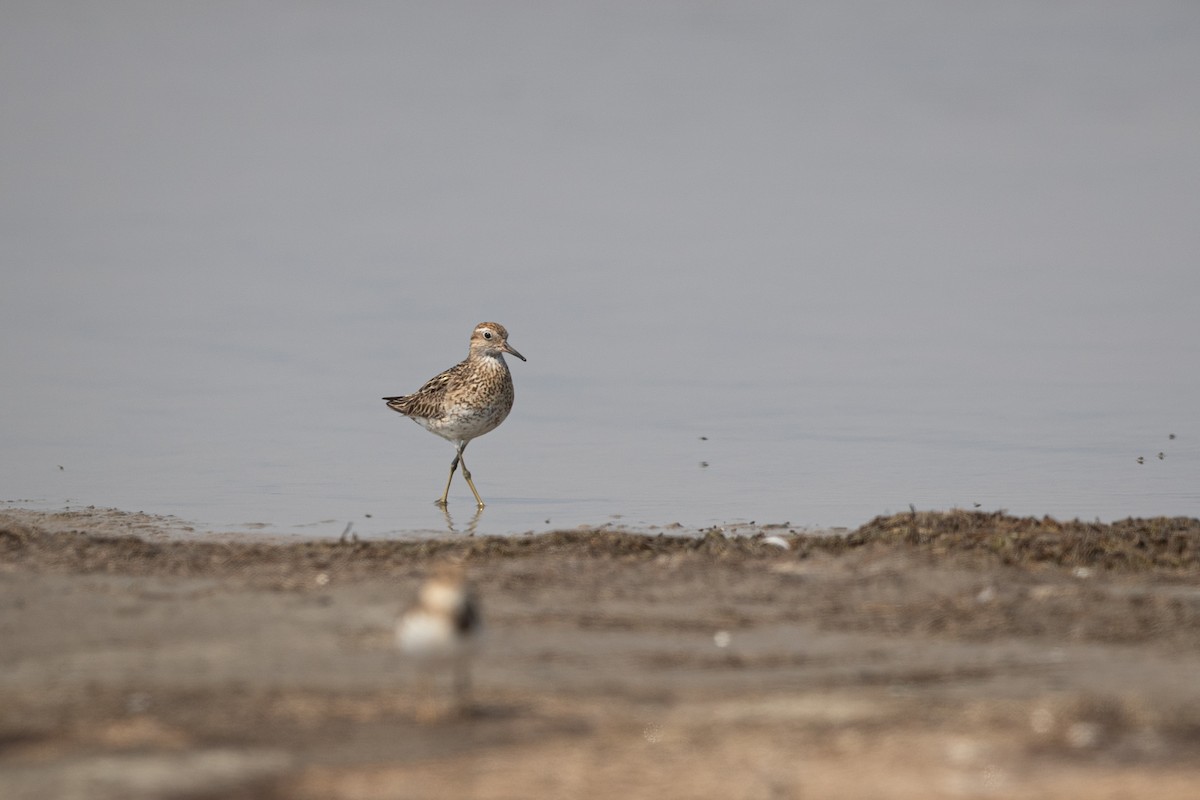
x=924, y=655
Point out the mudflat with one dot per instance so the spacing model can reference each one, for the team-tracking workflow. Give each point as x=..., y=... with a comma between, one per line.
x=924, y=655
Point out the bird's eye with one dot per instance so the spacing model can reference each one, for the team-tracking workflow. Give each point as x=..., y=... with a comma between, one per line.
x=487, y=334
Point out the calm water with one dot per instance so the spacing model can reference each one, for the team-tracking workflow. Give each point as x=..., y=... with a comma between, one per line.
x=767, y=262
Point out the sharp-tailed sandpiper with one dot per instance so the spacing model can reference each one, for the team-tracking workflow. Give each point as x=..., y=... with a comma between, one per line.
x=467, y=400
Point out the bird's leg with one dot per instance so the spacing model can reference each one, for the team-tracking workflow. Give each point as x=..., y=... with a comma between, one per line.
x=467, y=475
x=462, y=683
x=454, y=466
x=426, y=709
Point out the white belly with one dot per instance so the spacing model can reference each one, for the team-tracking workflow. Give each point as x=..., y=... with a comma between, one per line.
x=464, y=422
x=431, y=636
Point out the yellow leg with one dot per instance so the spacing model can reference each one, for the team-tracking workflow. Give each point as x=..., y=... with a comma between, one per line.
x=453, y=466
x=466, y=474
x=471, y=483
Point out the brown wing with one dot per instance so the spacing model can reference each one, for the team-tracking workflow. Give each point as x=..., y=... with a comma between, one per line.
x=426, y=402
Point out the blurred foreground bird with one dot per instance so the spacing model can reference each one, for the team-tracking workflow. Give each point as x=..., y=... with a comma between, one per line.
x=440, y=632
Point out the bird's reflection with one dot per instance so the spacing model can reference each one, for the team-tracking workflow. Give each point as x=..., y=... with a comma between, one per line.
x=470, y=528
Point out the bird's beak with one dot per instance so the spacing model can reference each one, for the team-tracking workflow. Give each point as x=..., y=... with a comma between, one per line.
x=508, y=348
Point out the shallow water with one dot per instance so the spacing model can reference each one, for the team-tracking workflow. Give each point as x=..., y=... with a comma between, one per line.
x=768, y=263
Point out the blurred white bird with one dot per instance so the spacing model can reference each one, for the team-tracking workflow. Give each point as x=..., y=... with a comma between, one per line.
x=442, y=629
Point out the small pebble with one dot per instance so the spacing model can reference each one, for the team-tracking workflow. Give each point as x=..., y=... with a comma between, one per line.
x=138, y=703
x=1042, y=721
x=1082, y=735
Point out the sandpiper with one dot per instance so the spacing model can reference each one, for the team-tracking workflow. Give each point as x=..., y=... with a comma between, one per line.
x=467, y=400
x=442, y=627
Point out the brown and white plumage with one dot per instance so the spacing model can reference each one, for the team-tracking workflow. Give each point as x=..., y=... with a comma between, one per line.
x=466, y=401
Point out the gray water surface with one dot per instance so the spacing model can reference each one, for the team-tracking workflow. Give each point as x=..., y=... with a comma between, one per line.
x=780, y=262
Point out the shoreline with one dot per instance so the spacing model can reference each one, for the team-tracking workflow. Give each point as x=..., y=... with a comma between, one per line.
x=117, y=521
x=954, y=654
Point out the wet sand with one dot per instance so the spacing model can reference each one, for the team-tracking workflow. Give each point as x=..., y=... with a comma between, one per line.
x=924, y=655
